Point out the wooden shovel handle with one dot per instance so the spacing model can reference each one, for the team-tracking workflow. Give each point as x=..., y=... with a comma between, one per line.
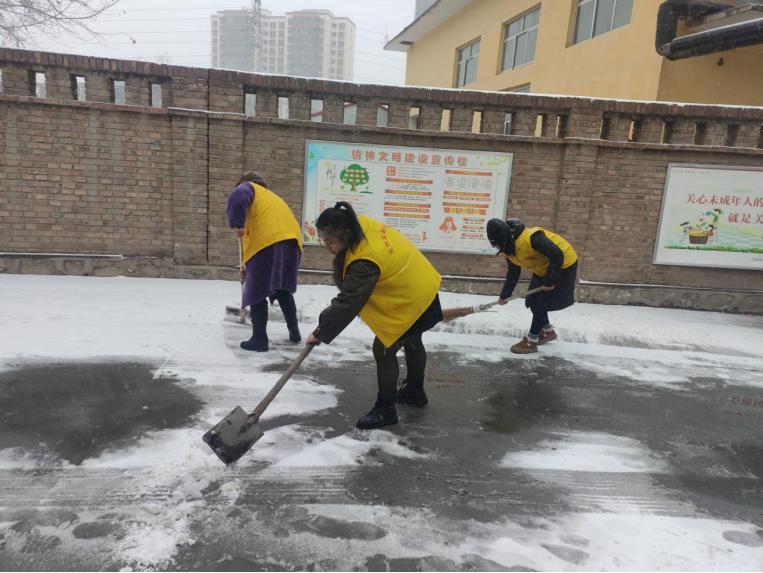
x=241, y=267
x=257, y=412
x=242, y=312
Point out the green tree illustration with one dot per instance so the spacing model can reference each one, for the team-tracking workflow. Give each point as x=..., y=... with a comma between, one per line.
x=354, y=175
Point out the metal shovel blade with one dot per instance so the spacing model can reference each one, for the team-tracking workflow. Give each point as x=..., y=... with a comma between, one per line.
x=233, y=436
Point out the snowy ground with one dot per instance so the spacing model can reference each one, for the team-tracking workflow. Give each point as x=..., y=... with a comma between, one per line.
x=633, y=442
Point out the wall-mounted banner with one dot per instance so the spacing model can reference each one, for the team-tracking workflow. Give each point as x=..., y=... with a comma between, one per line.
x=440, y=199
x=712, y=216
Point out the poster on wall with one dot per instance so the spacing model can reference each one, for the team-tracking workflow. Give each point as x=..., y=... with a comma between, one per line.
x=712, y=216
x=440, y=199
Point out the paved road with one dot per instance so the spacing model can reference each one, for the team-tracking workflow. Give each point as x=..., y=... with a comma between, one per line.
x=602, y=467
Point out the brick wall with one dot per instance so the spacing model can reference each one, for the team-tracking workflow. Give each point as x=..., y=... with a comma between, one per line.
x=98, y=178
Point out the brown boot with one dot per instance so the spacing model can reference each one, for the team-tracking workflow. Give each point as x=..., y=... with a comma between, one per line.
x=547, y=336
x=525, y=346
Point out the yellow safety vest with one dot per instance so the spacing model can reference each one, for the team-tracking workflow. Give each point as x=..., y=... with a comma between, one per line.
x=268, y=221
x=528, y=258
x=407, y=286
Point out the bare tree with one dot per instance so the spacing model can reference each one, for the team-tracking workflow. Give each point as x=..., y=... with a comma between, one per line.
x=19, y=18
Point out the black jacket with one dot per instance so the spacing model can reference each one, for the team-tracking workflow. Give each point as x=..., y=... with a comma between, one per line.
x=355, y=288
x=544, y=246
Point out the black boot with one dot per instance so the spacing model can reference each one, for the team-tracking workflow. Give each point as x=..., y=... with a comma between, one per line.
x=382, y=414
x=411, y=392
x=259, y=340
x=289, y=309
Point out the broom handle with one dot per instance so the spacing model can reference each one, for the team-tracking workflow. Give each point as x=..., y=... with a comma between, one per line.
x=528, y=293
x=534, y=290
x=488, y=305
x=257, y=412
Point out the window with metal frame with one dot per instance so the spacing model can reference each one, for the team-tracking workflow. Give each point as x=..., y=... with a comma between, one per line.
x=468, y=62
x=519, y=39
x=595, y=17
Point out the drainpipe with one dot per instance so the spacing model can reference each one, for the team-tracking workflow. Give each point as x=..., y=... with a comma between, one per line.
x=729, y=37
x=667, y=26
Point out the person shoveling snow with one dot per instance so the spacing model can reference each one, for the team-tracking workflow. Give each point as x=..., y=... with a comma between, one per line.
x=386, y=280
x=272, y=250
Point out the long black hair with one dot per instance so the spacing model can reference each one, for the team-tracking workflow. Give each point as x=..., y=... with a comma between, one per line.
x=341, y=220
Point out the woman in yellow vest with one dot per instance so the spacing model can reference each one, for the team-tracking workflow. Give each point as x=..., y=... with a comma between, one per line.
x=272, y=250
x=386, y=280
x=553, y=263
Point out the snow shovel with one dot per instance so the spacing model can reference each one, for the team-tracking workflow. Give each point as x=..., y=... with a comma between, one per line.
x=239, y=311
x=235, y=434
x=453, y=313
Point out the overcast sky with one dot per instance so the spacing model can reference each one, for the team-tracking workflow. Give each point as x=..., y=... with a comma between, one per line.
x=179, y=32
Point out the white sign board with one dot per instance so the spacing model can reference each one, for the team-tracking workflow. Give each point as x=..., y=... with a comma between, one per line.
x=712, y=216
x=440, y=199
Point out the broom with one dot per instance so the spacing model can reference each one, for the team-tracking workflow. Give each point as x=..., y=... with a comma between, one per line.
x=453, y=313
x=447, y=314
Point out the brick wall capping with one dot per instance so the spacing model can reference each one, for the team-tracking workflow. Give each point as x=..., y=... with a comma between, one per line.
x=406, y=95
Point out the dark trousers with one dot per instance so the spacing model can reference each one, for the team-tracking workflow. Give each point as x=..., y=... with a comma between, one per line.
x=561, y=297
x=540, y=319
x=388, y=370
x=259, y=313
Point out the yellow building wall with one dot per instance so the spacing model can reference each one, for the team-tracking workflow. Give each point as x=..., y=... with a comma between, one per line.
x=738, y=80
x=621, y=63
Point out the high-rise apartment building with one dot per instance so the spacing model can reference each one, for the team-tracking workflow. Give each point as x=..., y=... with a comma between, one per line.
x=233, y=40
x=312, y=43
x=274, y=44
x=320, y=45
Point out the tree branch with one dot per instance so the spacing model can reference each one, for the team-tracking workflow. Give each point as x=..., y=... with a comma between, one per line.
x=19, y=18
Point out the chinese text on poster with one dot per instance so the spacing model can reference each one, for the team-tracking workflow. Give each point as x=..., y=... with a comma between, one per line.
x=439, y=198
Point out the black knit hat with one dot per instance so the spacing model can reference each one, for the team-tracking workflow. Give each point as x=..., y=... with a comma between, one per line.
x=502, y=233
x=498, y=232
